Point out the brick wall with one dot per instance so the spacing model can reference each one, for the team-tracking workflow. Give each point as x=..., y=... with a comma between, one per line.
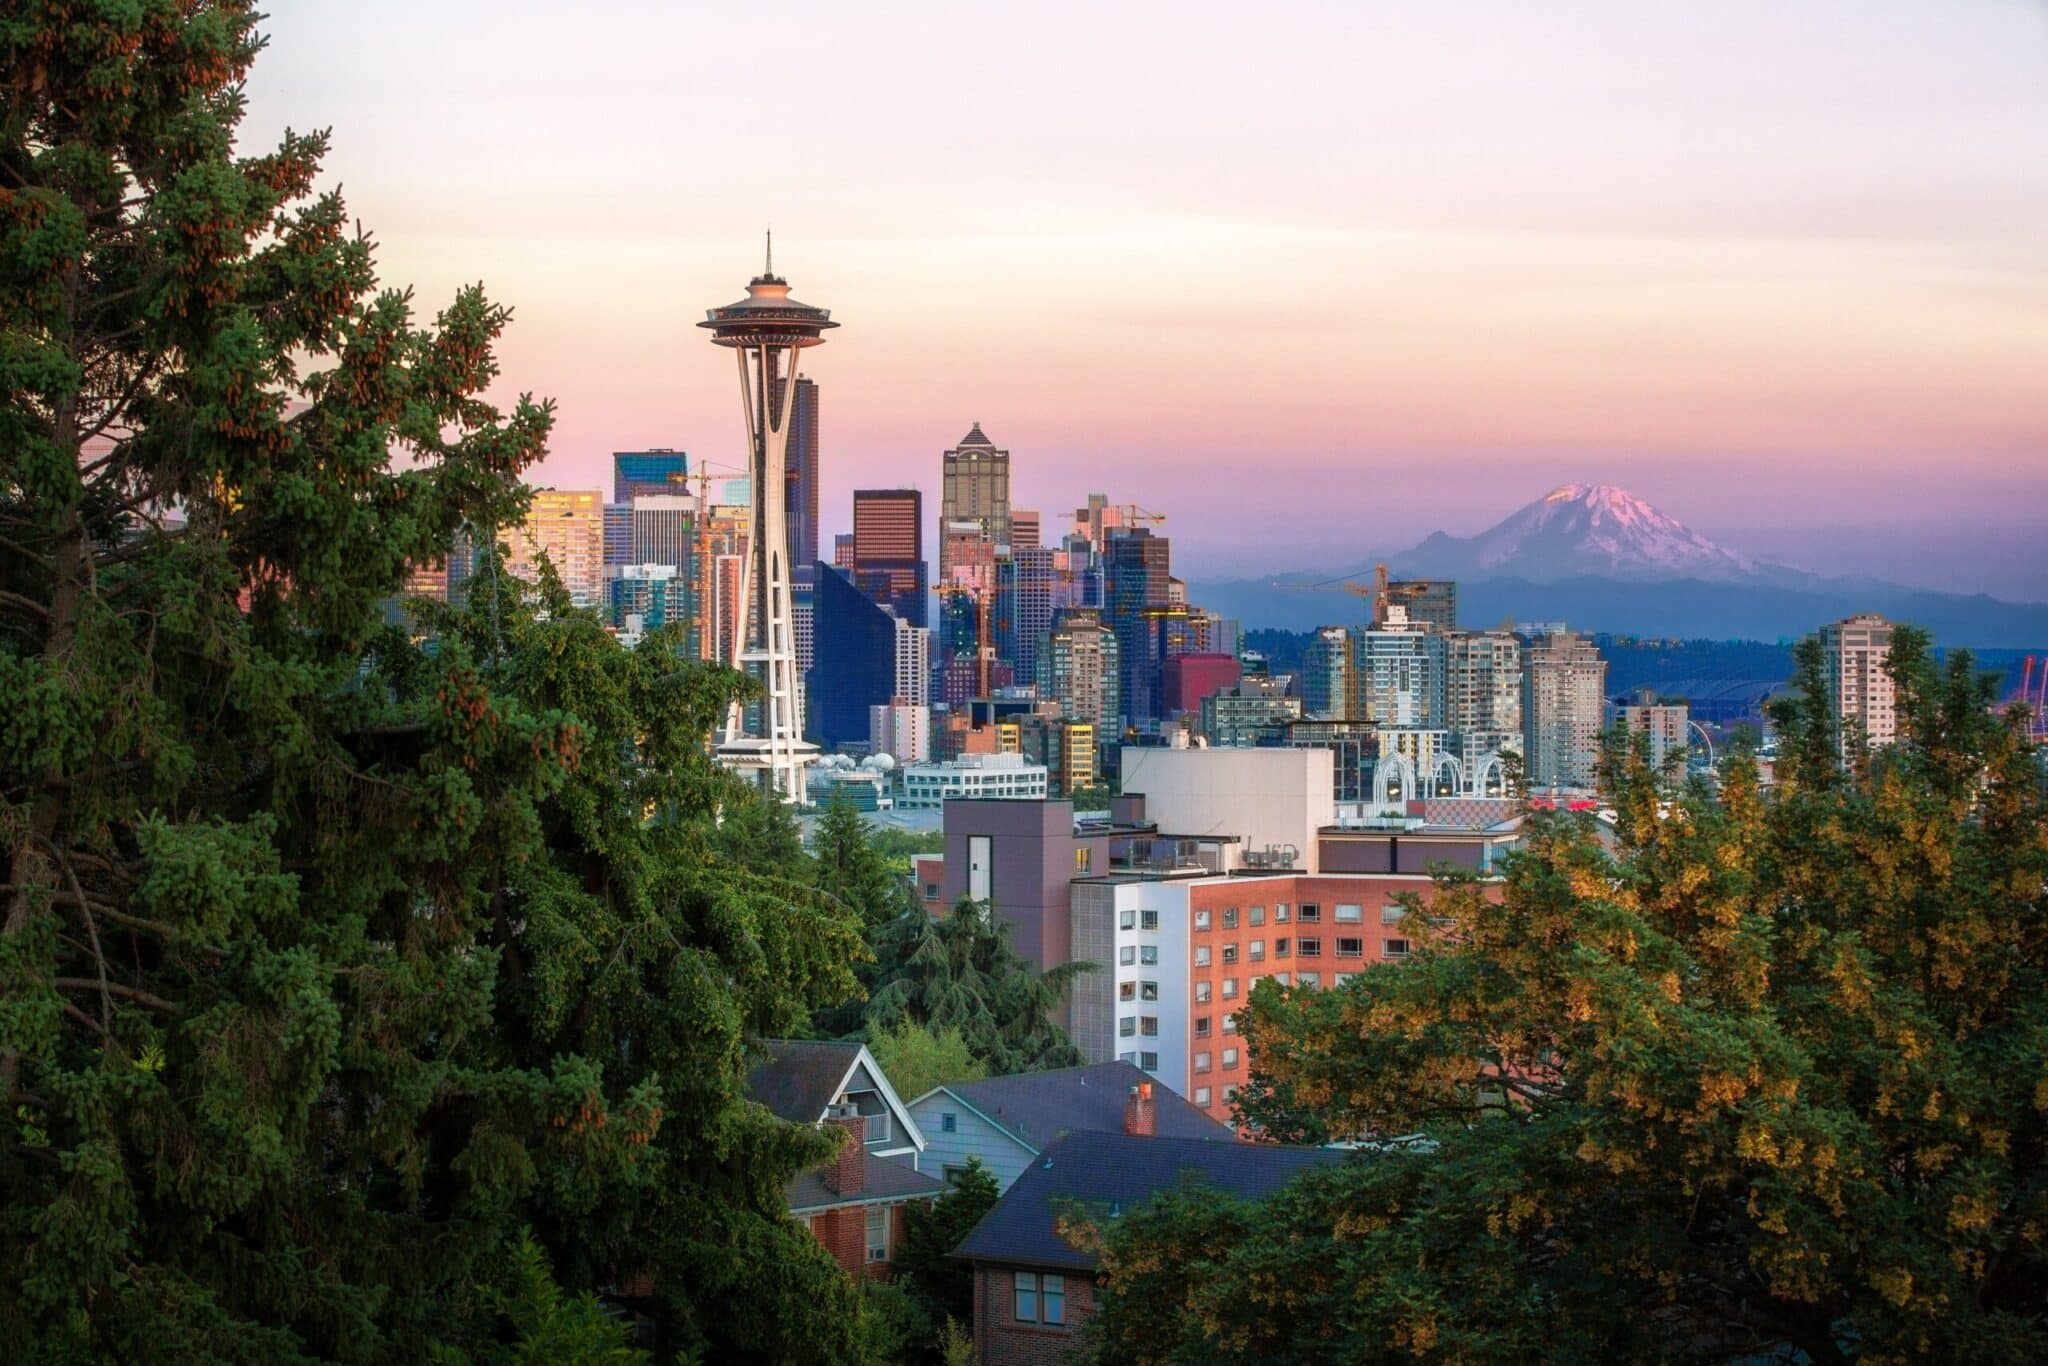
x=1000, y=1340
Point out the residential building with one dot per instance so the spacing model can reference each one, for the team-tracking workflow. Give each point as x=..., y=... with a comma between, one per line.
x=913, y=674
x=1483, y=683
x=1564, y=703
x=646, y=597
x=1856, y=652
x=1066, y=746
x=888, y=550
x=567, y=526
x=901, y=730
x=1398, y=671
x=975, y=488
x=1006, y=1122
x=1079, y=668
x=1033, y=1288
x=1270, y=801
x=1248, y=712
x=1327, y=691
x=1664, y=722
x=972, y=775
x=854, y=1203
x=1020, y=858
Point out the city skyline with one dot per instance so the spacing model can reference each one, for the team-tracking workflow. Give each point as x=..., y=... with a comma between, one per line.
x=1774, y=270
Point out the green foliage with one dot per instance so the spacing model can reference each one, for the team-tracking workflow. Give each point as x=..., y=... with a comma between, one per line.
x=896, y=848
x=329, y=963
x=941, y=1286
x=542, y=1326
x=960, y=973
x=1764, y=1077
x=956, y=1344
x=915, y=1059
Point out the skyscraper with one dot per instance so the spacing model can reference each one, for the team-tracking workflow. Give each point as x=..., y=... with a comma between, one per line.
x=664, y=530
x=1079, y=669
x=1024, y=529
x=1856, y=651
x=802, y=477
x=858, y=648
x=568, y=525
x=1135, y=574
x=657, y=471
x=1432, y=604
x=976, y=487
x=1327, y=691
x=768, y=329
x=1483, y=685
x=888, y=549
x=1564, y=705
x=1399, y=674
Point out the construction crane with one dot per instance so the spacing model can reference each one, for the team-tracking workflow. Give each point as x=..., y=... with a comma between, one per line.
x=983, y=655
x=1374, y=593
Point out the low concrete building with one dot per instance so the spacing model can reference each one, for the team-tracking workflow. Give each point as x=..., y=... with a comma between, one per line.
x=972, y=776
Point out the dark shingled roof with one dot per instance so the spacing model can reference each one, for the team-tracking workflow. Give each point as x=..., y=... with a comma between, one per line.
x=881, y=1179
x=800, y=1076
x=1118, y=1171
x=1040, y=1106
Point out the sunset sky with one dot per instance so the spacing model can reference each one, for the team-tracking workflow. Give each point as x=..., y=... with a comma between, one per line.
x=1306, y=278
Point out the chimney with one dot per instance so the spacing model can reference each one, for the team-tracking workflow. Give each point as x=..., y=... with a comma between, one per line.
x=846, y=1175
x=1140, y=1119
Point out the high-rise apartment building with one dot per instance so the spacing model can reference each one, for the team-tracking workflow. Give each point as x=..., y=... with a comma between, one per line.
x=801, y=475
x=664, y=530
x=913, y=664
x=1483, y=683
x=900, y=729
x=1564, y=704
x=1431, y=604
x=1079, y=668
x=1664, y=722
x=568, y=526
x=888, y=549
x=1399, y=674
x=976, y=488
x=1135, y=578
x=1856, y=652
x=1327, y=690
x=639, y=472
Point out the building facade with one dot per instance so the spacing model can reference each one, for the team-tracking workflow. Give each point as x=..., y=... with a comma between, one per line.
x=1079, y=668
x=1010, y=776
x=1665, y=723
x=976, y=488
x=888, y=550
x=1135, y=582
x=1564, y=705
x=567, y=526
x=1856, y=652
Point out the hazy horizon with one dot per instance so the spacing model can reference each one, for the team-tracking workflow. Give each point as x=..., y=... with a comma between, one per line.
x=1300, y=278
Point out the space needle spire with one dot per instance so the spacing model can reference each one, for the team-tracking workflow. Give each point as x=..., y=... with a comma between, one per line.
x=766, y=330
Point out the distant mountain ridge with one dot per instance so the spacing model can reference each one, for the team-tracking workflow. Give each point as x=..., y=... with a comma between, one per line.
x=1602, y=559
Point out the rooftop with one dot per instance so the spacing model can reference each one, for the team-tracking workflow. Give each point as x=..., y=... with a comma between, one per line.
x=1038, y=1107
x=881, y=1180
x=799, y=1077
x=1112, y=1172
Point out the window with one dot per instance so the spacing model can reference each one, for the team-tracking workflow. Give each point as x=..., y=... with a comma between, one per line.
x=953, y=1172
x=1131, y=1058
x=1229, y=987
x=1148, y=1025
x=878, y=1233
x=1255, y=916
x=1230, y=918
x=1393, y=948
x=1338, y=979
x=1201, y=1095
x=931, y=891
x=1082, y=858
x=1127, y=991
x=1308, y=948
x=1391, y=914
x=1201, y=1026
x=1201, y=1062
x=1148, y=991
x=1053, y=1296
x=1350, y=948
x=1281, y=978
x=1280, y=914
x=1127, y=1025
x=1229, y=1094
x=1201, y=920
x=949, y=1123
x=1127, y=955
x=1310, y=979
x=1149, y=1061
x=1127, y=919
x=1310, y=912
x=1027, y=1296
x=1149, y=955
x=1201, y=955
x=1230, y=1024
x=1148, y=920
x=1350, y=913
x=1230, y=953
x=1229, y=1058
x=1201, y=993
x=1279, y=948
x=1257, y=952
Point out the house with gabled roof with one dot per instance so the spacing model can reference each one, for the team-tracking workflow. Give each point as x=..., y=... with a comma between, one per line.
x=853, y=1203
x=1007, y=1121
x=1034, y=1287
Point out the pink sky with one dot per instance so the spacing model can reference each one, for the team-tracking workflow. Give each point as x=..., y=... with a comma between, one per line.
x=1303, y=277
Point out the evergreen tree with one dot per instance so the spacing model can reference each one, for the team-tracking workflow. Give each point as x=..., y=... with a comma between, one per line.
x=960, y=973
x=327, y=963
x=939, y=1284
x=1766, y=1077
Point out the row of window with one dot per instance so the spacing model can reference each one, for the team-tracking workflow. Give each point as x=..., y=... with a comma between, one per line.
x=1344, y=913
x=1130, y=954
x=1229, y=1060
x=1148, y=1061
x=1202, y=1095
x=1131, y=919
x=1148, y=1025
x=1137, y=991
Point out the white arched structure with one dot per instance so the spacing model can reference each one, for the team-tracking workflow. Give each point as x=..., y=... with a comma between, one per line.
x=1384, y=772
x=1482, y=767
x=1446, y=780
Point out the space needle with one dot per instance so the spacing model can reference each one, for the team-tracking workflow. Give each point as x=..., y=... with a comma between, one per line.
x=766, y=330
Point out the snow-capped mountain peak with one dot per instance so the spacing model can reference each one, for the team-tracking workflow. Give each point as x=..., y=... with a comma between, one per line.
x=1582, y=529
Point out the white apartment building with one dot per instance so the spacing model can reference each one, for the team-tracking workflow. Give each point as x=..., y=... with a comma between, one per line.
x=930, y=785
x=902, y=730
x=1858, y=649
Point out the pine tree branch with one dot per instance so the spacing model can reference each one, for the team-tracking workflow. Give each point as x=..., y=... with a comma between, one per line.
x=135, y=994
